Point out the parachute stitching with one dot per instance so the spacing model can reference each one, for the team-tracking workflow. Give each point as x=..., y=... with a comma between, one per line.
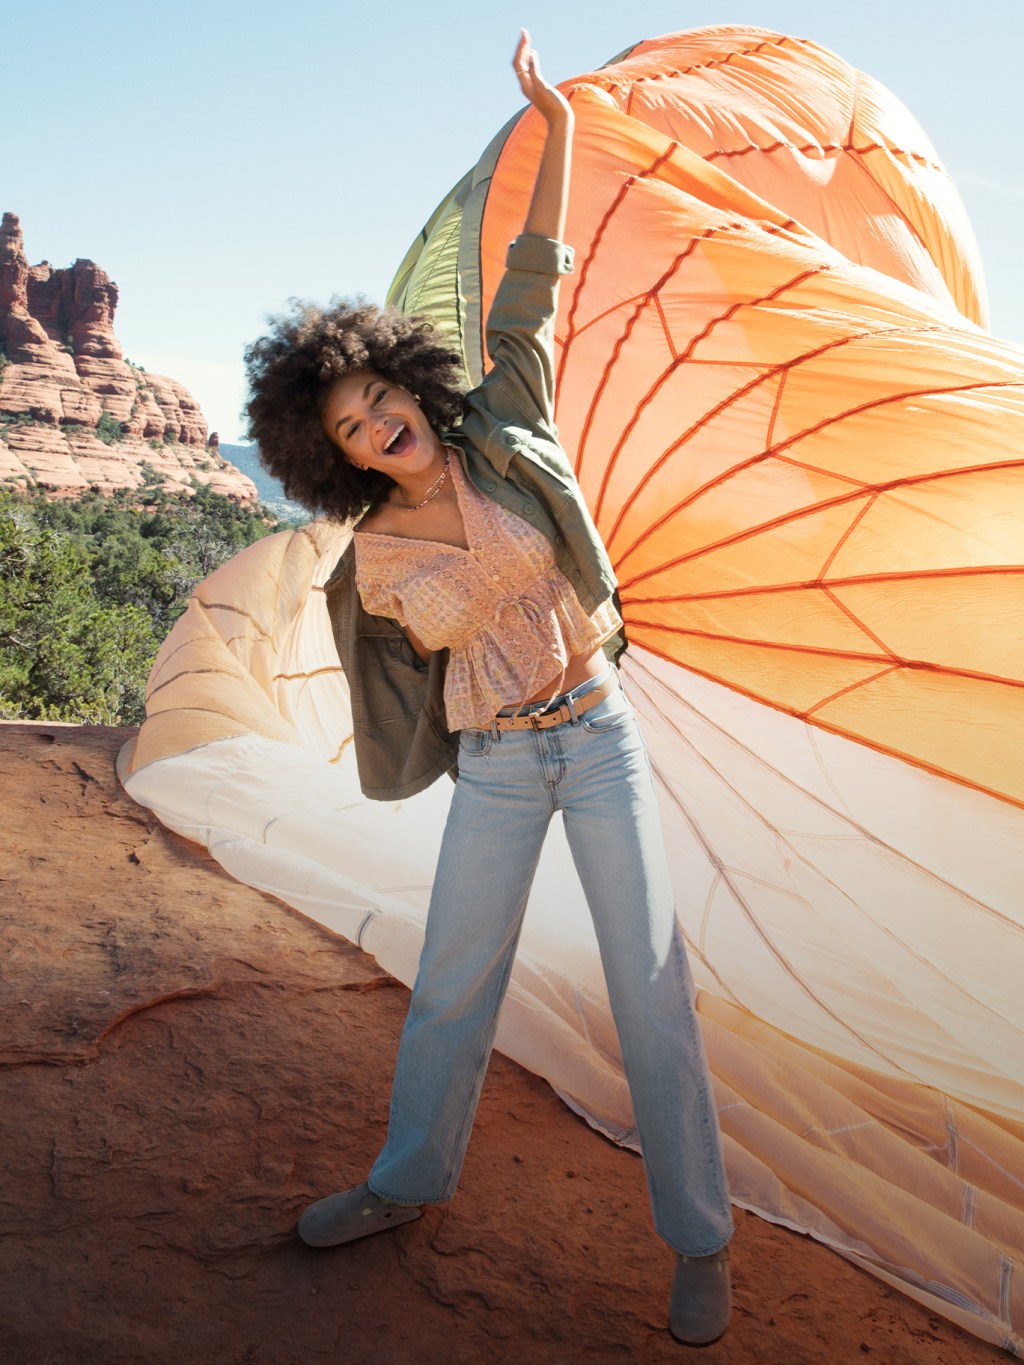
x=349, y=739
x=748, y=533
x=670, y=370
x=306, y=677
x=842, y=815
x=799, y=436
x=913, y=665
x=637, y=664
x=824, y=147
x=620, y=342
x=775, y=407
x=850, y=655
x=186, y=672
x=851, y=580
x=862, y=625
x=858, y=737
x=236, y=611
x=600, y=317
x=664, y=325
x=570, y=321
x=769, y=943
x=830, y=558
x=713, y=412
x=731, y=57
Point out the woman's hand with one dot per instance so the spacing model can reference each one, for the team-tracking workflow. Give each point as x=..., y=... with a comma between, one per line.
x=550, y=103
x=546, y=214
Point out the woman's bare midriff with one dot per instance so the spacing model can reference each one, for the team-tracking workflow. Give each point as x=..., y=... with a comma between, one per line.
x=579, y=668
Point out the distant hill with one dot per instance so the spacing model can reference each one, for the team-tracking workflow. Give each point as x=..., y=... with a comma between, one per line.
x=247, y=459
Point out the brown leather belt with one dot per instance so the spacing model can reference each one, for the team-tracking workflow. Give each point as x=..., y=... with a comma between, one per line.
x=568, y=711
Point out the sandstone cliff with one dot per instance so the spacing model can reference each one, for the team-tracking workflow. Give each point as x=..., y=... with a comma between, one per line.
x=74, y=413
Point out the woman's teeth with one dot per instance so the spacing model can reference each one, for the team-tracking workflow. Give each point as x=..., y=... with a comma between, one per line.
x=392, y=439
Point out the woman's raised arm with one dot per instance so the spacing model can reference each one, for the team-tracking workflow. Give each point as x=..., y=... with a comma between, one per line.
x=546, y=216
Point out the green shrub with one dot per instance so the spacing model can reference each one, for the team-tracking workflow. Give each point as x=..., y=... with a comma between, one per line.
x=109, y=429
x=88, y=590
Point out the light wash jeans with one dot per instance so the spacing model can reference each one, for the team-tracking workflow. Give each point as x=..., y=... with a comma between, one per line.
x=510, y=784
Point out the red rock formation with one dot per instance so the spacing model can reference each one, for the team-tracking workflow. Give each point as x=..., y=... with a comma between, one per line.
x=64, y=383
x=186, y=1063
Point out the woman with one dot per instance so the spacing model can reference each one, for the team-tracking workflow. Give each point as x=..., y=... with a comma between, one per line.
x=471, y=610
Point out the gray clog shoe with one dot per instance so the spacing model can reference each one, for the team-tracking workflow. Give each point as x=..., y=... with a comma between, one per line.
x=701, y=1301
x=354, y=1213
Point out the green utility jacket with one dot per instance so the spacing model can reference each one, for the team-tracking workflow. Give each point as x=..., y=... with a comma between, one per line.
x=509, y=445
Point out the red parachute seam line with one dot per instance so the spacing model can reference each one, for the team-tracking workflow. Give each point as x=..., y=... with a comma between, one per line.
x=711, y=364
x=770, y=433
x=832, y=502
x=664, y=327
x=235, y=611
x=782, y=837
x=720, y=407
x=585, y=269
x=766, y=45
x=722, y=637
x=578, y=292
x=638, y=665
x=341, y=749
x=832, y=728
x=200, y=711
x=894, y=664
x=185, y=672
x=316, y=673
x=855, y=522
x=608, y=312
x=570, y=320
x=815, y=585
x=783, y=144
x=862, y=625
x=793, y=463
x=616, y=351
x=898, y=211
x=845, y=691
x=900, y=397
x=784, y=518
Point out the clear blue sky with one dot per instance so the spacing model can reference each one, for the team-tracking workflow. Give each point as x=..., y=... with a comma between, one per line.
x=216, y=157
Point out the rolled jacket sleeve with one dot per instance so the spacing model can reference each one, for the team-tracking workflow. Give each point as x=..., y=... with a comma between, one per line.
x=521, y=331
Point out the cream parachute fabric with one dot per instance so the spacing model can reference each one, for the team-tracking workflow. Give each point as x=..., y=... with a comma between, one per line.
x=805, y=457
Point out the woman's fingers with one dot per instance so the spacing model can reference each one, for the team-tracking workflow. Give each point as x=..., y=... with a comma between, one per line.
x=526, y=65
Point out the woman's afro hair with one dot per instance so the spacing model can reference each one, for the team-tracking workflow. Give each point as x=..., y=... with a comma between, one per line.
x=291, y=370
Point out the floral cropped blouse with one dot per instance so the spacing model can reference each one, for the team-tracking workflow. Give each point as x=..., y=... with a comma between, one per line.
x=502, y=607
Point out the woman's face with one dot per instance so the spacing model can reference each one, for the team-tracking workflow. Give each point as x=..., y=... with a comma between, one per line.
x=379, y=425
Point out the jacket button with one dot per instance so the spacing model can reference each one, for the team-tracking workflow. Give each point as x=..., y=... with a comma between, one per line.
x=529, y=508
x=510, y=440
x=489, y=486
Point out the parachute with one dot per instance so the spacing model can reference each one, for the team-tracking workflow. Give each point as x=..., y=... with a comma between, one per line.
x=804, y=454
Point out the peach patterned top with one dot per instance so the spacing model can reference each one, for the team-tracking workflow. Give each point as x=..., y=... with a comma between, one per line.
x=503, y=607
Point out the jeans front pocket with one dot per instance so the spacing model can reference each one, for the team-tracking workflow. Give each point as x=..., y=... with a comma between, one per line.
x=475, y=743
x=610, y=713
